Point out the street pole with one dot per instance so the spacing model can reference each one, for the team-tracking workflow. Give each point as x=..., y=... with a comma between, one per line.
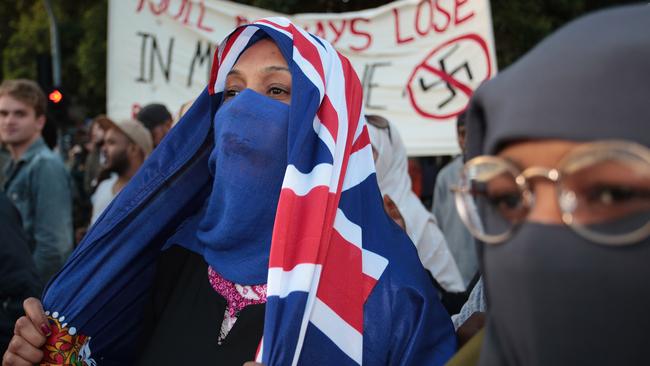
x=55, y=47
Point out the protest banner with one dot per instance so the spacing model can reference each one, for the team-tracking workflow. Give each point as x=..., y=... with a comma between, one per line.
x=418, y=60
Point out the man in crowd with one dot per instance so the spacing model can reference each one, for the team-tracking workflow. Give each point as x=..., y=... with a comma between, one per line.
x=36, y=180
x=459, y=240
x=127, y=143
x=157, y=119
x=94, y=159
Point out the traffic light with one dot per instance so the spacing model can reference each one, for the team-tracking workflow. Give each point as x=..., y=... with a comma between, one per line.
x=57, y=106
x=58, y=118
x=55, y=96
x=57, y=99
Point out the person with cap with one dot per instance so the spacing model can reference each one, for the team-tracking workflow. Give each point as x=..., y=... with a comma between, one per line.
x=157, y=119
x=557, y=190
x=126, y=145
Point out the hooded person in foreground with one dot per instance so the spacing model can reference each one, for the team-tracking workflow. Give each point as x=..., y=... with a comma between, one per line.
x=259, y=215
x=557, y=189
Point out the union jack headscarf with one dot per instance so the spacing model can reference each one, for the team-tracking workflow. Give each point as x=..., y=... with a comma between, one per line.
x=344, y=283
x=319, y=273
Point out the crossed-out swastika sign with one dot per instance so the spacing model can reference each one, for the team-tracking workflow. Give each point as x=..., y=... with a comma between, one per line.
x=441, y=85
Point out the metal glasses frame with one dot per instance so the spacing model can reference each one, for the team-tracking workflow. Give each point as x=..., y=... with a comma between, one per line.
x=563, y=195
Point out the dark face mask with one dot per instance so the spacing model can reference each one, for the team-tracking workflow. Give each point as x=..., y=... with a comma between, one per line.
x=555, y=298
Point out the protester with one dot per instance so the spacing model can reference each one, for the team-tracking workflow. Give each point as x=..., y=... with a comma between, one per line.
x=75, y=163
x=558, y=189
x=394, y=182
x=18, y=277
x=157, y=119
x=126, y=146
x=270, y=218
x=459, y=240
x=36, y=180
x=94, y=160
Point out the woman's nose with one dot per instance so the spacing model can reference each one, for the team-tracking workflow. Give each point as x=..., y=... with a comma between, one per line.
x=546, y=209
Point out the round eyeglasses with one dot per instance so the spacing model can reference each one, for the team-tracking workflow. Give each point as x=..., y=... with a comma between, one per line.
x=602, y=189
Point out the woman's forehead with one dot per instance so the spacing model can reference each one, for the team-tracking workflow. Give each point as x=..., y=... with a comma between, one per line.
x=263, y=53
x=546, y=153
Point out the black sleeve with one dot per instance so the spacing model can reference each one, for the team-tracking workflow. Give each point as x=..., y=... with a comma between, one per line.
x=18, y=277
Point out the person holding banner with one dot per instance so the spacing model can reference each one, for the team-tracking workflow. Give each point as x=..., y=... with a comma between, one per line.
x=557, y=188
x=255, y=230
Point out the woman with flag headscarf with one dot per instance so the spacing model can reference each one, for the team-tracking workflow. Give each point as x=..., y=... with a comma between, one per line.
x=558, y=189
x=258, y=217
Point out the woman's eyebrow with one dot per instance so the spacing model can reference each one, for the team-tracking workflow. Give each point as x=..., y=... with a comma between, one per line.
x=234, y=71
x=276, y=68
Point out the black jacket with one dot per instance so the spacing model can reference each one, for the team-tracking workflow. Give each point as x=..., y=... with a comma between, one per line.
x=18, y=277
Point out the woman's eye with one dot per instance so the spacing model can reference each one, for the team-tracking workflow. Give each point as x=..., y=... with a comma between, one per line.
x=275, y=91
x=612, y=195
x=229, y=93
x=507, y=201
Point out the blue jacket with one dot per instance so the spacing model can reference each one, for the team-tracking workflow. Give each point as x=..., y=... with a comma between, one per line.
x=39, y=186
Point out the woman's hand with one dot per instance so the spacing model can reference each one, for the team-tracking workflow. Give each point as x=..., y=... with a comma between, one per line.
x=30, y=334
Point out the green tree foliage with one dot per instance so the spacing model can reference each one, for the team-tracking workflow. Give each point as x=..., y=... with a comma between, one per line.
x=520, y=25
x=30, y=37
x=24, y=34
x=91, y=57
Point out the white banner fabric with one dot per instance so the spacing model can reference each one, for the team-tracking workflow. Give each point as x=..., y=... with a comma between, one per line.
x=418, y=61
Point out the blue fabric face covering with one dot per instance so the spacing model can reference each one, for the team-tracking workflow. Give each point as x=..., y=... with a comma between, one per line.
x=248, y=164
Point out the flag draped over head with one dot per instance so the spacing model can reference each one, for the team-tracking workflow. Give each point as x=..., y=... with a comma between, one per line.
x=320, y=275
x=340, y=273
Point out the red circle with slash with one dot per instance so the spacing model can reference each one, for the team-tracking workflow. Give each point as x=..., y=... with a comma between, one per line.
x=465, y=89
